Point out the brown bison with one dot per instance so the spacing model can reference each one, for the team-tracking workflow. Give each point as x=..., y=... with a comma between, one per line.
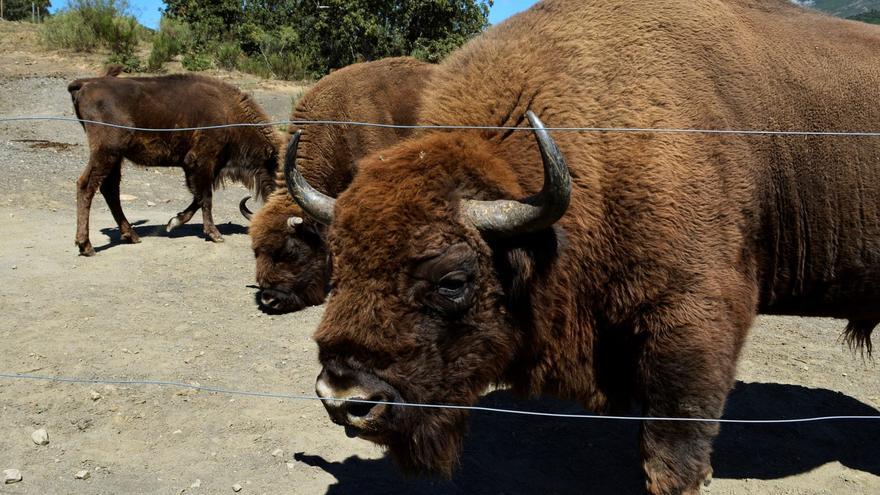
x=632, y=281
x=209, y=157
x=292, y=261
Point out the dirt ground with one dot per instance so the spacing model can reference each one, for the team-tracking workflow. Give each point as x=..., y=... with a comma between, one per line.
x=178, y=308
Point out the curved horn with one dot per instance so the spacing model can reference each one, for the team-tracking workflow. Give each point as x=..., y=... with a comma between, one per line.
x=505, y=218
x=315, y=204
x=245, y=212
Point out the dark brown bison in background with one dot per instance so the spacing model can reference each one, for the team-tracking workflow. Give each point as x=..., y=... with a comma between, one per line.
x=208, y=157
x=633, y=281
x=291, y=257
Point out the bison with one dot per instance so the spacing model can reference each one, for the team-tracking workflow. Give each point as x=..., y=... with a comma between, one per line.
x=628, y=273
x=208, y=157
x=291, y=257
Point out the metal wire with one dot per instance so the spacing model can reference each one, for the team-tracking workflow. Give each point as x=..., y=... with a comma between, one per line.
x=273, y=395
x=631, y=130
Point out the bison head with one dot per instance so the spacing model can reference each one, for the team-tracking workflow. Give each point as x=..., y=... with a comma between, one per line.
x=292, y=261
x=419, y=309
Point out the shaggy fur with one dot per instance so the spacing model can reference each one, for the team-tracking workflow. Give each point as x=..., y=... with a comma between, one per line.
x=643, y=293
x=248, y=155
x=292, y=264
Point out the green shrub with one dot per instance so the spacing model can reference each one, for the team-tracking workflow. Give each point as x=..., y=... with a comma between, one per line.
x=86, y=25
x=129, y=61
x=196, y=62
x=227, y=55
x=173, y=38
x=68, y=30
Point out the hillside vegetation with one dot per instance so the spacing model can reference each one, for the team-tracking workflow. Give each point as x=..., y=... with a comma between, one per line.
x=841, y=8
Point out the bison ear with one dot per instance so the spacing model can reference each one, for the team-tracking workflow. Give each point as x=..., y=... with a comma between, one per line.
x=293, y=222
x=520, y=261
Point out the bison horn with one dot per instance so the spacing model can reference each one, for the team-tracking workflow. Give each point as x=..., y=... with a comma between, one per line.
x=315, y=204
x=507, y=217
x=245, y=212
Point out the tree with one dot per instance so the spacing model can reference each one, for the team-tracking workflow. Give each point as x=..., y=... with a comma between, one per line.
x=329, y=34
x=21, y=10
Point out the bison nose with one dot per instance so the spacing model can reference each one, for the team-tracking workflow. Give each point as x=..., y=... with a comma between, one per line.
x=355, y=399
x=268, y=299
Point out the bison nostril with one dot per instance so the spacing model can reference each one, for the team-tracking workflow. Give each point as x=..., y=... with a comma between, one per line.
x=364, y=408
x=360, y=409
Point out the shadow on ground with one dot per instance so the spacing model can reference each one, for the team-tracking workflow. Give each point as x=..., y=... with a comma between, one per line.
x=187, y=230
x=525, y=455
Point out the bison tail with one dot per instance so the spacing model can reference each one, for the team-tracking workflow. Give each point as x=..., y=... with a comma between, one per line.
x=858, y=334
x=112, y=70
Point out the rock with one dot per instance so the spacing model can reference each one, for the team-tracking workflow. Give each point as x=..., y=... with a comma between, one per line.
x=14, y=267
x=94, y=395
x=197, y=483
x=127, y=197
x=40, y=437
x=236, y=488
x=277, y=453
x=83, y=475
x=150, y=203
x=11, y=476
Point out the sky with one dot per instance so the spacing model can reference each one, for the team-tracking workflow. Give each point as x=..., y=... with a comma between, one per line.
x=148, y=11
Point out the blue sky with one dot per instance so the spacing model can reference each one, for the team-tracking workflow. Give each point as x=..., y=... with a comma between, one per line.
x=147, y=11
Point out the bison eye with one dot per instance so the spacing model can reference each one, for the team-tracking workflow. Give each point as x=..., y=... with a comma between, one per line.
x=453, y=285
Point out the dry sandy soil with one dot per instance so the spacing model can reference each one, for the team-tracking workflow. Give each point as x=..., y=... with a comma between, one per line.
x=179, y=308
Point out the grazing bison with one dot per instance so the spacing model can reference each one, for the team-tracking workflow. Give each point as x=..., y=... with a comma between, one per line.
x=632, y=281
x=292, y=262
x=209, y=157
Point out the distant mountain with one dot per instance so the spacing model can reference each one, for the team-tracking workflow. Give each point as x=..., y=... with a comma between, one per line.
x=841, y=8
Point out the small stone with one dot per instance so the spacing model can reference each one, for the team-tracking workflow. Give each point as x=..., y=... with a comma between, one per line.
x=277, y=453
x=150, y=203
x=290, y=465
x=11, y=476
x=127, y=197
x=15, y=267
x=82, y=475
x=94, y=395
x=197, y=483
x=236, y=488
x=40, y=437
x=176, y=432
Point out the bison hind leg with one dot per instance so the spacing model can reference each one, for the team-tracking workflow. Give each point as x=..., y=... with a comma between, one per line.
x=857, y=334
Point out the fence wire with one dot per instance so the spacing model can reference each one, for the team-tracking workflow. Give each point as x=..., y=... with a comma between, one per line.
x=273, y=395
x=607, y=130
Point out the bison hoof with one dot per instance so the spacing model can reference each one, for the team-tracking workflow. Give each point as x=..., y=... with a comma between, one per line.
x=86, y=249
x=214, y=236
x=173, y=224
x=131, y=238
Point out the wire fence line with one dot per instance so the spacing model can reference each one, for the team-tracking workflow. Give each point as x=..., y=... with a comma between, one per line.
x=273, y=395
x=630, y=130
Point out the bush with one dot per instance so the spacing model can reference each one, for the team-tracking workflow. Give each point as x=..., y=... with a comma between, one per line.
x=196, y=62
x=227, y=55
x=88, y=24
x=129, y=61
x=68, y=30
x=173, y=38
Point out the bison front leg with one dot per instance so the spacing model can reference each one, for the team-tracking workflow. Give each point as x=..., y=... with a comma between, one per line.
x=110, y=191
x=686, y=372
x=100, y=164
